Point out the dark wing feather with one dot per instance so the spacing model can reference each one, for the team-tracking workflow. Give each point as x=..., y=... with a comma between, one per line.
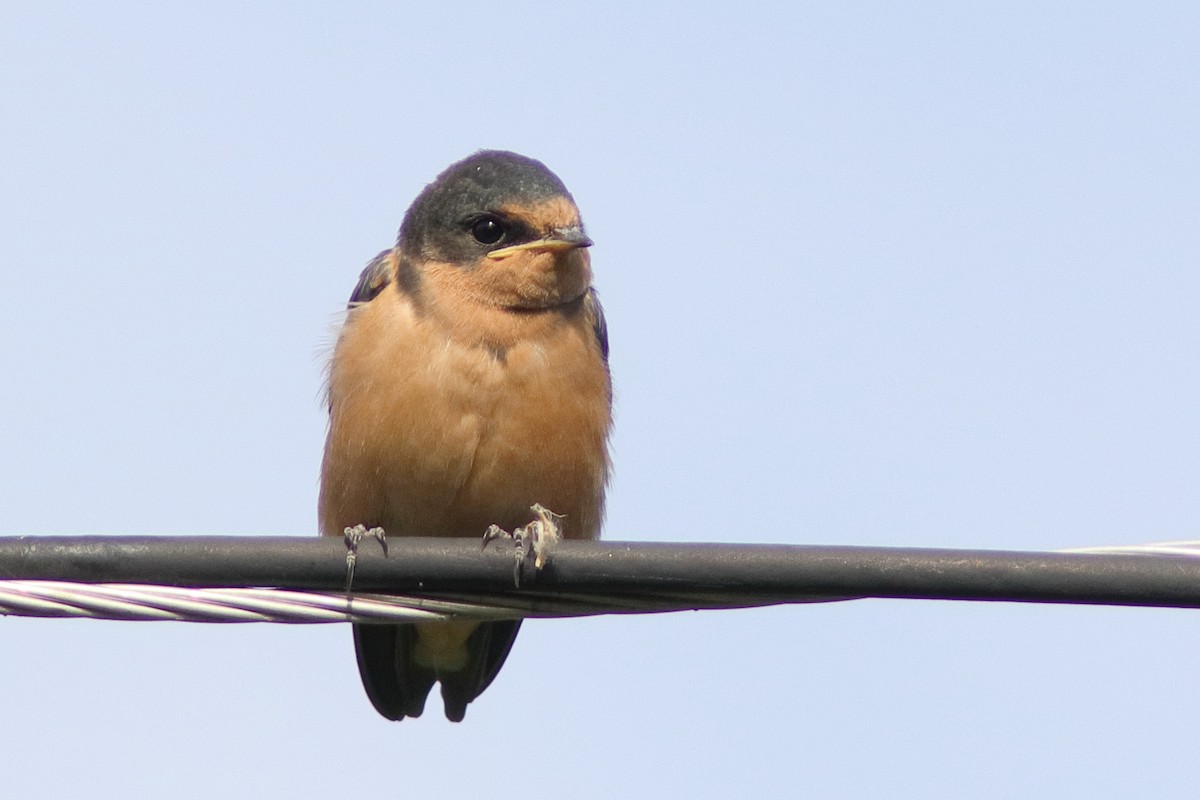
x=398, y=687
x=395, y=688
x=376, y=276
x=599, y=325
x=488, y=646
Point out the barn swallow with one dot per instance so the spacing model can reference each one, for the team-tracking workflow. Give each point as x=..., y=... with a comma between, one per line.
x=469, y=383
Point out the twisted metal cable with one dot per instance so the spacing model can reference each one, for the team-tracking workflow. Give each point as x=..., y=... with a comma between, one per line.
x=1189, y=548
x=144, y=602
x=149, y=603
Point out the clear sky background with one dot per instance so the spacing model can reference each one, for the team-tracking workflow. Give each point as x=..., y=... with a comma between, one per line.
x=875, y=273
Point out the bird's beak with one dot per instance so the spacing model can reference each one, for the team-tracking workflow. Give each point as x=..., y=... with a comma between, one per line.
x=560, y=240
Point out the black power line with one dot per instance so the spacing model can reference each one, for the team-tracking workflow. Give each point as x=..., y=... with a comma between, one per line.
x=598, y=577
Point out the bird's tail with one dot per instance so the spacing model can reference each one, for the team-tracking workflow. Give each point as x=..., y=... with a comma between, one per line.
x=398, y=683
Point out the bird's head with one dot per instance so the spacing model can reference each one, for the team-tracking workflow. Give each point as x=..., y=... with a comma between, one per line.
x=501, y=228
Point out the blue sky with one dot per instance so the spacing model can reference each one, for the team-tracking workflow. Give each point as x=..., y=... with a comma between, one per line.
x=874, y=274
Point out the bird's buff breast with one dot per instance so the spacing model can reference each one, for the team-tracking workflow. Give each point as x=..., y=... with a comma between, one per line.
x=454, y=435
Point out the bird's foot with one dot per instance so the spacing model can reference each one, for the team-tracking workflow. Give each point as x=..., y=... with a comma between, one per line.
x=538, y=538
x=354, y=537
x=544, y=532
x=496, y=532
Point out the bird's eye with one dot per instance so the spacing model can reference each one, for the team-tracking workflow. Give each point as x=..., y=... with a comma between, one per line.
x=488, y=230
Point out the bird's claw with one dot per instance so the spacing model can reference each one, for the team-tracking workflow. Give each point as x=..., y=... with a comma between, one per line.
x=354, y=537
x=538, y=538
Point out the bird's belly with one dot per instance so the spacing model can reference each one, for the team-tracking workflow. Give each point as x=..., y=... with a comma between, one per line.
x=534, y=435
x=474, y=440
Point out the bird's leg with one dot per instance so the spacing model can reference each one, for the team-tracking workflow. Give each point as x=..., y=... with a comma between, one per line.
x=354, y=536
x=538, y=537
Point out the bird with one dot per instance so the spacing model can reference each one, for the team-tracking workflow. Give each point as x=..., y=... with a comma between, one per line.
x=469, y=384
